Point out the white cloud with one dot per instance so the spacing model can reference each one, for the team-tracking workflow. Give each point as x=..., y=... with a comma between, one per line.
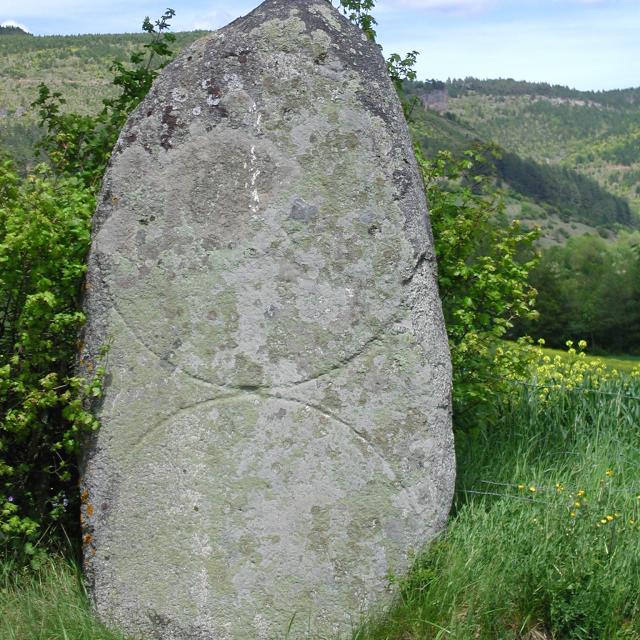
x=452, y=6
x=13, y=23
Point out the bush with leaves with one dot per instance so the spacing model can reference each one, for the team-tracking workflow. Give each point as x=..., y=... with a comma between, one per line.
x=359, y=12
x=45, y=222
x=44, y=236
x=483, y=267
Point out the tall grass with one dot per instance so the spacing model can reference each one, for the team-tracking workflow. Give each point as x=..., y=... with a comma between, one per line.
x=545, y=541
x=49, y=603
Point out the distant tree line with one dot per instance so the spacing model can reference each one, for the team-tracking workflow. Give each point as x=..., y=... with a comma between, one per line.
x=589, y=289
x=100, y=47
x=511, y=87
x=10, y=30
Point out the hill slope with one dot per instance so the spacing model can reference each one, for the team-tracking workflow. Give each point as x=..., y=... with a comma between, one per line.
x=555, y=141
x=594, y=133
x=76, y=66
x=558, y=198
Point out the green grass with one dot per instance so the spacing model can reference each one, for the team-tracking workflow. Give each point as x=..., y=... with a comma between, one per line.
x=543, y=543
x=48, y=604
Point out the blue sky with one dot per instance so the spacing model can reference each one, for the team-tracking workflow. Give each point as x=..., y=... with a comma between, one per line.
x=587, y=44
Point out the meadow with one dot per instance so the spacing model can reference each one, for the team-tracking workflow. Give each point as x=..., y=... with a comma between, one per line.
x=543, y=541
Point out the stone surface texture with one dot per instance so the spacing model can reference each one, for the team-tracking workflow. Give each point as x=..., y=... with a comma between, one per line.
x=276, y=424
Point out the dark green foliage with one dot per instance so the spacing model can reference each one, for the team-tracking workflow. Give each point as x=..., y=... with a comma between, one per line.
x=573, y=195
x=590, y=289
x=593, y=133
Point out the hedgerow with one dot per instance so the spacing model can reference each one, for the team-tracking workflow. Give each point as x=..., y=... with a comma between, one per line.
x=45, y=227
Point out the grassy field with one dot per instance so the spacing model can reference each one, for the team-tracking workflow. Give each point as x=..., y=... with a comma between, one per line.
x=49, y=604
x=543, y=542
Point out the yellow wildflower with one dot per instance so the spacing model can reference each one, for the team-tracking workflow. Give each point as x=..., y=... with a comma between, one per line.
x=609, y=472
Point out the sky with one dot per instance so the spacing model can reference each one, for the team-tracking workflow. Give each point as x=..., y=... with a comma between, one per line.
x=585, y=44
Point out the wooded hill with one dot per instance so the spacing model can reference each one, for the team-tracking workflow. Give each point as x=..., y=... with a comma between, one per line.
x=595, y=133
x=79, y=67
x=570, y=160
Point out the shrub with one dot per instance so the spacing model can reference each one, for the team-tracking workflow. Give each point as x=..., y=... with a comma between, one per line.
x=44, y=236
x=483, y=267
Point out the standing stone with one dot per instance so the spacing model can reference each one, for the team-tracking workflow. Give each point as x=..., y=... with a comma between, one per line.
x=276, y=434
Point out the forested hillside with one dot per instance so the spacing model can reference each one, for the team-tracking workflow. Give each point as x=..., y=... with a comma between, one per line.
x=567, y=161
x=570, y=164
x=570, y=159
x=594, y=133
x=554, y=197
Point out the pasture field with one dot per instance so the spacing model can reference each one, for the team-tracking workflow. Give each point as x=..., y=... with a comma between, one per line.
x=543, y=541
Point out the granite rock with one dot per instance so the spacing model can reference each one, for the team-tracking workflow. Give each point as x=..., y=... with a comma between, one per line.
x=276, y=424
